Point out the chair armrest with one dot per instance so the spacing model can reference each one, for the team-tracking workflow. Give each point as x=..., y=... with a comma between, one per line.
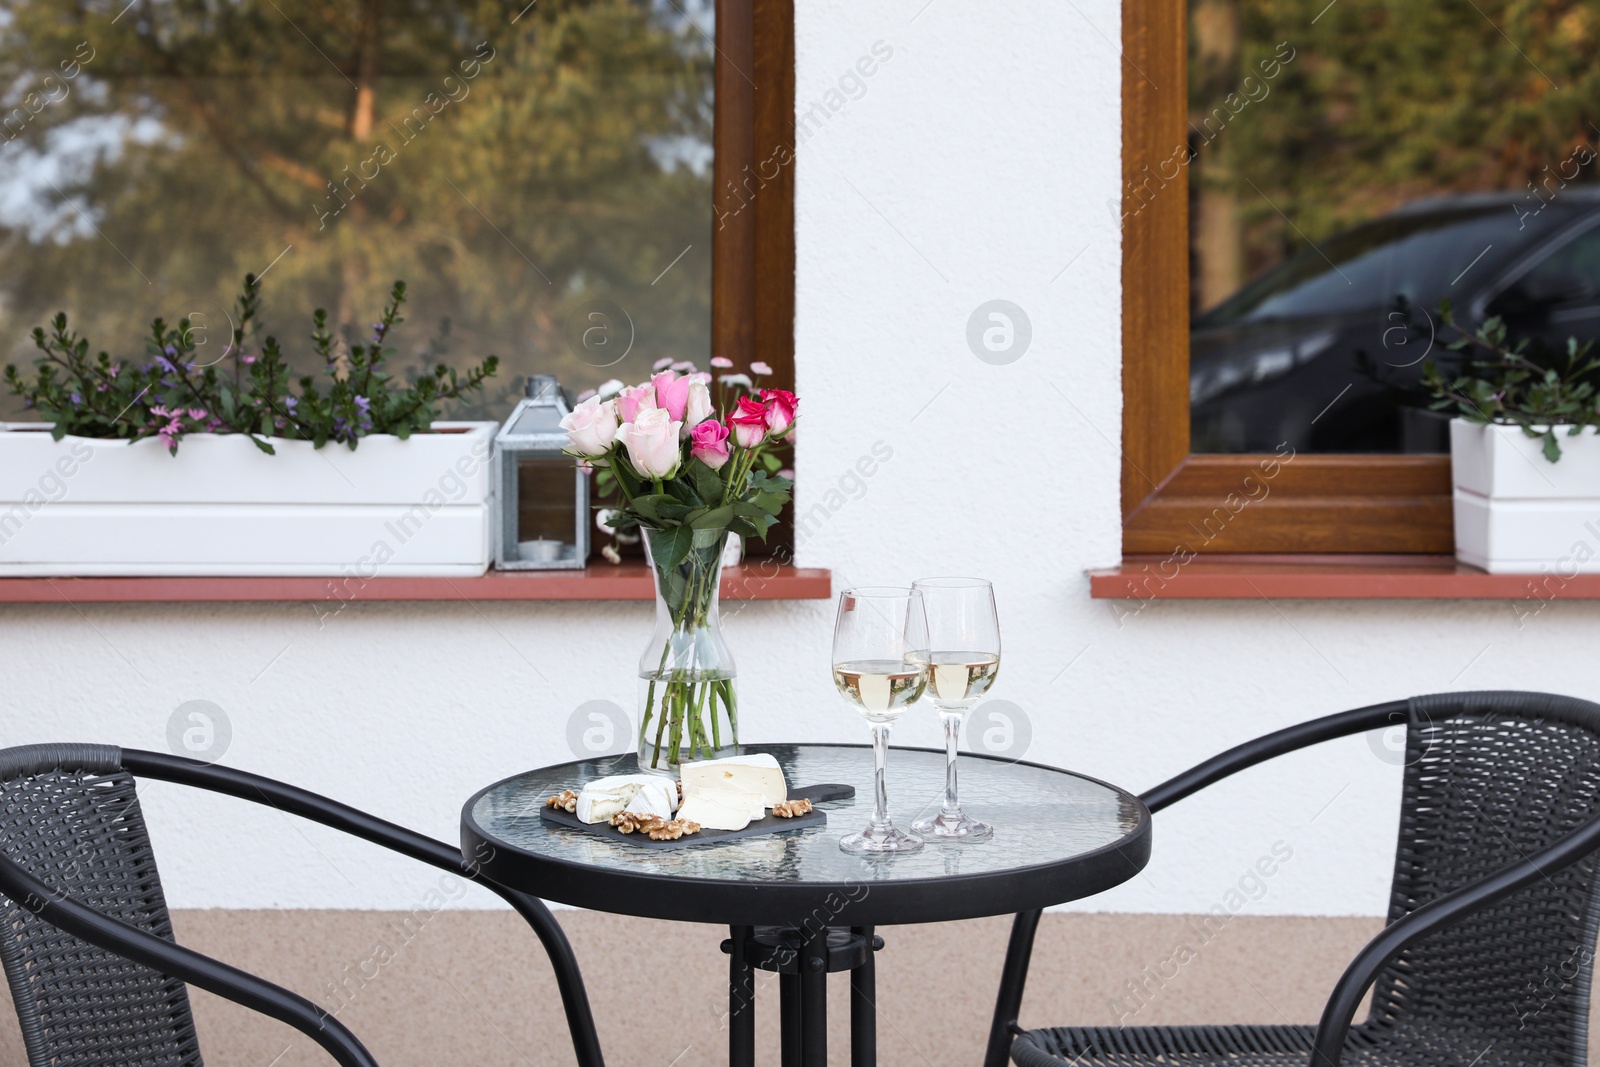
x=197, y=969
x=308, y=805
x=1218, y=767
x=1339, y=1014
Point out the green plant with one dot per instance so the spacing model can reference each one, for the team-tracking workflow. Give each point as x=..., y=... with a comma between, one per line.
x=247, y=390
x=1507, y=387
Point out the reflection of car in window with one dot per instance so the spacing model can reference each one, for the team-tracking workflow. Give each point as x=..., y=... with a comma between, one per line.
x=1325, y=350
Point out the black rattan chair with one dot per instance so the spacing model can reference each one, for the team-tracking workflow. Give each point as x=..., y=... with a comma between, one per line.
x=1487, y=957
x=87, y=945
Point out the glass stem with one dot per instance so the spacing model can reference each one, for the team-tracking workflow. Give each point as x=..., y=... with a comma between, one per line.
x=880, y=787
x=952, y=737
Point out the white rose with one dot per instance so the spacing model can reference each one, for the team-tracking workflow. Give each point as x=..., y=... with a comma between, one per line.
x=699, y=407
x=591, y=427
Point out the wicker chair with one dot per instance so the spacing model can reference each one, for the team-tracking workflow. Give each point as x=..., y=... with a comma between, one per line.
x=1486, y=959
x=87, y=943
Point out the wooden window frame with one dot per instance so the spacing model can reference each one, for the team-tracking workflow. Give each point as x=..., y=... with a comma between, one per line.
x=752, y=246
x=1173, y=500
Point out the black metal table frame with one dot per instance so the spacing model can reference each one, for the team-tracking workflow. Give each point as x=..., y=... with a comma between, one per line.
x=759, y=915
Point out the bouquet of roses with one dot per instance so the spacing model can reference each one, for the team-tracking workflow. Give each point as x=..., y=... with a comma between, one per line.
x=692, y=459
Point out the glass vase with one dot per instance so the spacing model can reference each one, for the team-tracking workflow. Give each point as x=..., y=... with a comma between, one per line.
x=687, y=706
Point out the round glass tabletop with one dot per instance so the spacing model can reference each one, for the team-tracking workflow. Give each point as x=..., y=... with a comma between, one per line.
x=1058, y=836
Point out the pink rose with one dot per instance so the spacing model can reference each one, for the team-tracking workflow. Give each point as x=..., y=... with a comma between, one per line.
x=672, y=393
x=760, y=367
x=652, y=443
x=591, y=427
x=721, y=363
x=748, y=423
x=709, y=443
x=781, y=406
x=632, y=399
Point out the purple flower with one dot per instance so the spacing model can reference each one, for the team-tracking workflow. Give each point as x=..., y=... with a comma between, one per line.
x=247, y=360
x=363, y=405
x=291, y=403
x=27, y=402
x=197, y=413
x=77, y=398
x=166, y=364
x=171, y=351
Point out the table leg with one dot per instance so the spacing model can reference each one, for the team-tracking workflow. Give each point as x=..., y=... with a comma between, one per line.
x=741, y=1001
x=814, y=998
x=863, y=1007
x=789, y=1018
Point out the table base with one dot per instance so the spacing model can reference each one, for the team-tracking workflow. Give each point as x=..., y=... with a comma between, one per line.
x=802, y=957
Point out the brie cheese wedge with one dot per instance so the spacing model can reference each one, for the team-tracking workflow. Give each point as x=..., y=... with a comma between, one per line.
x=758, y=774
x=716, y=811
x=652, y=799
x=645, y=794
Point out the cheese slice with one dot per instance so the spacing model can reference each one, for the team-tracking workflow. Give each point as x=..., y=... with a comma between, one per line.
x=652, y=799
x=715, y=811
x=647, y=794
x=758, y=774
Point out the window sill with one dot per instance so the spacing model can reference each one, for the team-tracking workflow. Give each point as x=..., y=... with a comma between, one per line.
x=1328, y=577
x=756, y=580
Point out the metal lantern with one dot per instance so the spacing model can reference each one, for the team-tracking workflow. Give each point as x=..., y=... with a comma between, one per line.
x=543, y=496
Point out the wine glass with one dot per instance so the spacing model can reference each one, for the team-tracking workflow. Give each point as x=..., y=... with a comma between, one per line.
x=880, y=651
x=963, y=660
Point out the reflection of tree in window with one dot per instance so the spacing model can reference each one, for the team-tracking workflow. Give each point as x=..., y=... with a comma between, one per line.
x=1316, y=272
x=514, y=172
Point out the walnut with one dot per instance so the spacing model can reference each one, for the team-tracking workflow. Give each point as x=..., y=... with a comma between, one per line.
x=671, y=831
x=567, y=800
x=789, y=809
x=658, y=828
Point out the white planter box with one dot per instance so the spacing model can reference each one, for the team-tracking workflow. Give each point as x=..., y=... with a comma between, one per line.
x=221, y=506
x=1518, y=513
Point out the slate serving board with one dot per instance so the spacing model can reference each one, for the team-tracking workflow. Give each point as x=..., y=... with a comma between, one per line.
x=771, y=824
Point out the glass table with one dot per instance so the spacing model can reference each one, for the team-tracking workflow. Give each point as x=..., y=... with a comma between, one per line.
x=796, y=903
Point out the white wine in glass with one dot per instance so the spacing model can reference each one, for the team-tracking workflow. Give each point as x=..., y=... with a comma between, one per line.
x=962, y=663
x=880, y=657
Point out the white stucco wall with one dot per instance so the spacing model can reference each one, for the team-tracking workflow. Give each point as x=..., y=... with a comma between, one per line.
x=976, y=164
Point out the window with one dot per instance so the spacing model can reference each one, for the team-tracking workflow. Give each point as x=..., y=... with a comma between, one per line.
x=565, y=184
x=543, y=175
x=1304, y=183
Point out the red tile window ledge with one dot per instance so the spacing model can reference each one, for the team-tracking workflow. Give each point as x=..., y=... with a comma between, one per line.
x=754, y=580
x=1329, y=577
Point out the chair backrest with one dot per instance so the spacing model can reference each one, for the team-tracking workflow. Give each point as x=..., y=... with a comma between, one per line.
x=70, y=815
x=1490, y=779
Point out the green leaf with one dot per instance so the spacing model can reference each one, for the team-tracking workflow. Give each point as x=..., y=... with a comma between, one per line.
x=1552, y=447
x=684, y=492
x=715, y=518
x=771, y=462
x=674, y=512
x=769, y=501
x=707, y=482
x=671, y=547
x=648, y=505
